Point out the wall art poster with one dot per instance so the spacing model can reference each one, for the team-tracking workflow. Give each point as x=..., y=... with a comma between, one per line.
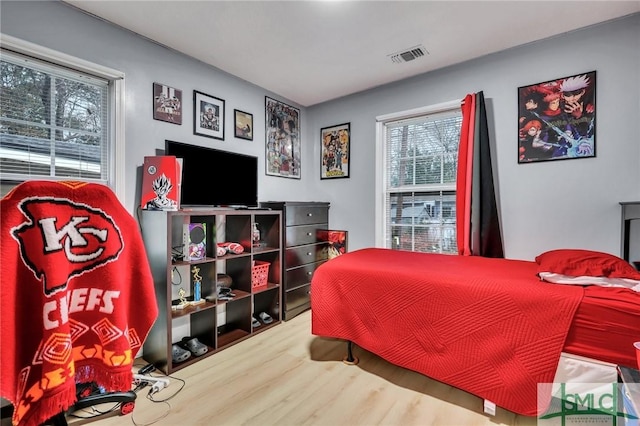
x=208, y=115
x=167, y=103
x=243, y=124
x=334, y=151
x=557, y=119
x=282, y=123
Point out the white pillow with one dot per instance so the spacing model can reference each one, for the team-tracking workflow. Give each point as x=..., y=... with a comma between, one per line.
x=586, y=280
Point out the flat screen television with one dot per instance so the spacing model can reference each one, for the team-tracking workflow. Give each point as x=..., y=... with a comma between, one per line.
x=215, y=178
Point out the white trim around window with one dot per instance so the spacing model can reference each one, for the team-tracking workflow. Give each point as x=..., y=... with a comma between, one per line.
x=380, y=161
x=117, y=129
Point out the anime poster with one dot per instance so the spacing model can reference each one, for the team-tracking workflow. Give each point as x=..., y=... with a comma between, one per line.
x=167, y=103
x=334, y=151
x=208, y=115
x=243, y=124
x=557, y=119
x=282, y=124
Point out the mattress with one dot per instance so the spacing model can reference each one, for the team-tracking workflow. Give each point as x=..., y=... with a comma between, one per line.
x=605, y=325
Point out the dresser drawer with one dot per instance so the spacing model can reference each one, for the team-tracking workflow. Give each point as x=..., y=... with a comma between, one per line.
x=305, y=215
x=306, y=254
x=301, y=275
x=298, y=297
x=301, y=235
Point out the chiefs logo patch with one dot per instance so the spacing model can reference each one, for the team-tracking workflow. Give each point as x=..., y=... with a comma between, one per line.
x=61, y=239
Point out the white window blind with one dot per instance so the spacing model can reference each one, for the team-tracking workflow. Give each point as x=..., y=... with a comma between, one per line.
x=421, y=162
x=54, y=122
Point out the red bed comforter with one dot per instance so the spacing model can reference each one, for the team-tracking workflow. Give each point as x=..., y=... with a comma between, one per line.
x=487, y=326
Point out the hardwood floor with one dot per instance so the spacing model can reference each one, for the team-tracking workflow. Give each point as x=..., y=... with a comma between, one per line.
x=287, y=376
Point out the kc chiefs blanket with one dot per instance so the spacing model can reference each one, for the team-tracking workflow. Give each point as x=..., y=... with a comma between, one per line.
x=77, y=295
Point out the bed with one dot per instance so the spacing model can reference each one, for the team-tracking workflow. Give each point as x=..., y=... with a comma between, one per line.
x=491, y=327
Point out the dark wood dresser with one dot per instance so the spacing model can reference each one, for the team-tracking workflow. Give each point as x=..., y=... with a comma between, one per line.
x=304, y=251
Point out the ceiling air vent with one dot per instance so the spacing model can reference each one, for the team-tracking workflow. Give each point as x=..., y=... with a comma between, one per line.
x=409, y=54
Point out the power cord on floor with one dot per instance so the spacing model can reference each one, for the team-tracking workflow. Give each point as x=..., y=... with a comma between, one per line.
x=165, y=414
x=139, y=385
x=155, y=389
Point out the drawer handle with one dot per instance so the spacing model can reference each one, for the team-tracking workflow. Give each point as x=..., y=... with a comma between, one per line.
x=309, y=253
x=309, y=273
x=309, y=234
x=309, y=214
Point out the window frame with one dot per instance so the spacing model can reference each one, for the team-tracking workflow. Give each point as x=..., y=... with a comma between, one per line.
x=381, y=214
x=116, y=132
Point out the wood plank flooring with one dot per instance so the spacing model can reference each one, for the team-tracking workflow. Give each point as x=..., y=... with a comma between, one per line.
x=286, y=376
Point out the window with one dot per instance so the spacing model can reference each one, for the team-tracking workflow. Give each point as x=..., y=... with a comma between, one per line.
x=57, y=117
x=417, y=186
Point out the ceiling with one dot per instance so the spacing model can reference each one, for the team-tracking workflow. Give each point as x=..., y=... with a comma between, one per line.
x=314, y=51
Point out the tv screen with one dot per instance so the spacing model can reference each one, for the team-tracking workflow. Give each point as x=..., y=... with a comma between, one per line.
x=211, y=177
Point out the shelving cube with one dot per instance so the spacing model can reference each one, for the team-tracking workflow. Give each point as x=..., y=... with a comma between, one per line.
x=215, y=323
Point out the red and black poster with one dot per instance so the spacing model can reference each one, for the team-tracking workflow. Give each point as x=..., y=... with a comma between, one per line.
x=557, y=119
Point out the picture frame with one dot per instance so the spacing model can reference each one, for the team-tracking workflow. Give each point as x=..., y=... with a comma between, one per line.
x=167, y=103
x=335, y=157
x=208, y=115
x=243, y=124
x=337, y=240
x=282, y=139
x=557, y=119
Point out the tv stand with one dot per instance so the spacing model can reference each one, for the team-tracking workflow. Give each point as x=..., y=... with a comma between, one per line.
x=191, y=207
x=250, y=208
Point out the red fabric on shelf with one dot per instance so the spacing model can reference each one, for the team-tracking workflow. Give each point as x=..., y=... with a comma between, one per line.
x=485, y=325
x=77, y=295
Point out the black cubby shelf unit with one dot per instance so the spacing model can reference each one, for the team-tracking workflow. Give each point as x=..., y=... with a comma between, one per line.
x=182, y=243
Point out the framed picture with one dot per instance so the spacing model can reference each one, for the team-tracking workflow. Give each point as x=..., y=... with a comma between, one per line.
x=557, y=119
x=208, y=115
x=334, y=151
x=243, y=124
x=282, y=124
x=337, y=240
x=167, y=103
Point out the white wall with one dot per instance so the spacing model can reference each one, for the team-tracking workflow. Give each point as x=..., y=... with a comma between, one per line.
x=60, y=27
x=557, y=204
x=571, y=203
